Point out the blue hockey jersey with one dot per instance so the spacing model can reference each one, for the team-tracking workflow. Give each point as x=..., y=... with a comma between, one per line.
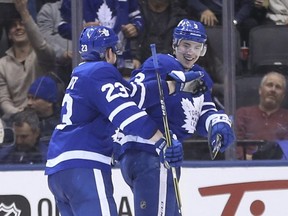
x=186, y=114
x=97, y=102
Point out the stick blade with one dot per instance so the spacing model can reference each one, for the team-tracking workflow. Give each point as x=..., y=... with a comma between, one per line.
x=214, y=147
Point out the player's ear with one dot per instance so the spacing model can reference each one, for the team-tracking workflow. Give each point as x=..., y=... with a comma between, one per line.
x=108, y=54
x=204, y=50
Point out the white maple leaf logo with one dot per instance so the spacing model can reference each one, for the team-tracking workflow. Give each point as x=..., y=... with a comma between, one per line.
x=191, y=114
x=118, y=136
x=105, y=17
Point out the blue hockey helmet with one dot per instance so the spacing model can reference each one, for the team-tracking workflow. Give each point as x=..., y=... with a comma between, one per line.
x=189, y=30
x=94, y=40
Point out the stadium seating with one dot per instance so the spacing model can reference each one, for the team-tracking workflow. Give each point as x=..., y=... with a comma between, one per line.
x=268, y=48
x=215, y=37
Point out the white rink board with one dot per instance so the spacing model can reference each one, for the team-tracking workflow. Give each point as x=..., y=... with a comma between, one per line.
x=204, y=191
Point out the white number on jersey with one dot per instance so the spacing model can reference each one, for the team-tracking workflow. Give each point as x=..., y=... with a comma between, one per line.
x=109, y=87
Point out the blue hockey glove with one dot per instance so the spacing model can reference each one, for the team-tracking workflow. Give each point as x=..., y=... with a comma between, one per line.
x=174, y=154
x=190, y=81
x=196, y=87
x=220, y=126
x=169, y=156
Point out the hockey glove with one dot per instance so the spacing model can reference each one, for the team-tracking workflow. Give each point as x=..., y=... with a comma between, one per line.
x=174, y=154
x=169, y=156
x=221, y=130
x=190, y=81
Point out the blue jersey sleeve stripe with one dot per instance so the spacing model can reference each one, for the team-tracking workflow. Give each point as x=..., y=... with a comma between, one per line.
x=132, y=119
x=119, y=109
x=77, y=154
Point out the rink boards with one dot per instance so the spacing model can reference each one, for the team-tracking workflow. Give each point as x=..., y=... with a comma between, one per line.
x=206, y=188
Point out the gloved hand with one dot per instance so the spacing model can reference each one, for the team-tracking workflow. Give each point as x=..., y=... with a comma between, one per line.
x=174, y=154
x=171, y=156
x=221, y=125
x=190, y=81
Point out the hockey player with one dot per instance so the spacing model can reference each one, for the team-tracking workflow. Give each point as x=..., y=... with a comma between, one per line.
x=97, y=102
x=152, y=184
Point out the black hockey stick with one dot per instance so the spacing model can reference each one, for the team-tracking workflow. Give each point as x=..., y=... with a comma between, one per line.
x=166, y=125
x=214, y=147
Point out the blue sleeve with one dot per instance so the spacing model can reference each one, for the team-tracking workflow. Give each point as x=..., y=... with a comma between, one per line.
x=207, y=110
x=136, y=17
x=141, y=91
x=114, y=101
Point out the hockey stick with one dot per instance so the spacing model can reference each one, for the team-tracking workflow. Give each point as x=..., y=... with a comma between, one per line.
x=166, y=125
x=214, y=147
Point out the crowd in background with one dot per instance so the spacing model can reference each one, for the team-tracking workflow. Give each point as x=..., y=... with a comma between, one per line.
x=36, y=59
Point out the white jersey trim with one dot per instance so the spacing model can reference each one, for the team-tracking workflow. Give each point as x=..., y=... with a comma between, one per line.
x=78, y=154
x=119, y=108
x=131, y=119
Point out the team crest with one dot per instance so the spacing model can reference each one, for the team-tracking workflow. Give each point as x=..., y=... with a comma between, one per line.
x=191, y=114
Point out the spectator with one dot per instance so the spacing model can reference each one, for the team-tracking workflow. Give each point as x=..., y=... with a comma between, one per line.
x=28, y=148
x=160, y=18
x=44, y=98
x=28, y=57
x=209, y=12
x=277, y=11
x=258, y=13
x=266, y=121
x=48, y=19
x=7, y=12
x=123, y=17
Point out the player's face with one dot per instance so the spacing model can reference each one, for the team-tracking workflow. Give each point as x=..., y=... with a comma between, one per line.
x=272, y=91
x=188, y=52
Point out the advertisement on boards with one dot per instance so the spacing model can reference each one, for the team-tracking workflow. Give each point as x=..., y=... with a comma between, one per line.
x=210, y=191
